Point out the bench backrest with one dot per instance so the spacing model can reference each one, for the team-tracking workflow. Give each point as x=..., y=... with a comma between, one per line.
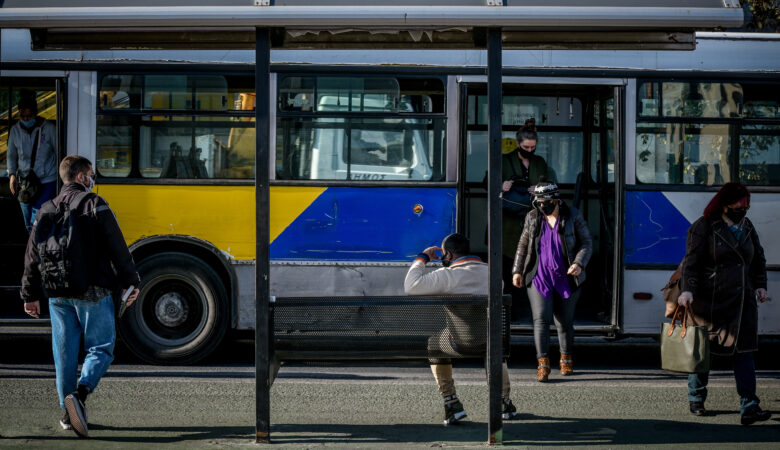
x=401, y=327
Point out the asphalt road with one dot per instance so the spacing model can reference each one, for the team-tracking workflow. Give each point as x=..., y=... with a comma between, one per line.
x=617, y=398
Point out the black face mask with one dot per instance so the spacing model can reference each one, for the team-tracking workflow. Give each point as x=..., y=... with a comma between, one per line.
x=736, y=215
x=524, y=153
x=547, y=208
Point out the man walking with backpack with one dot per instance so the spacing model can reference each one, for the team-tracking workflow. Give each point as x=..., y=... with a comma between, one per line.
x=76, y=257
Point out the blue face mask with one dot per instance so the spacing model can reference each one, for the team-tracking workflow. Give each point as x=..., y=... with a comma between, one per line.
x=28, y=123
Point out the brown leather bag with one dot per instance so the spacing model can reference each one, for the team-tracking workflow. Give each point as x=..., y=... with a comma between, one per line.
x=672, y=291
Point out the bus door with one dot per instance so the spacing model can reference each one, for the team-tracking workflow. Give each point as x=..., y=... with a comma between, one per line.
x=13, y=234
x=576, y=138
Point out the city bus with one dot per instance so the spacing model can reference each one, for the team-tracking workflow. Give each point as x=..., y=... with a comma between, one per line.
x=378, y=154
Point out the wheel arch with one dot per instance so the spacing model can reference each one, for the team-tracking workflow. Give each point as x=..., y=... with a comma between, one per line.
x=203, y=250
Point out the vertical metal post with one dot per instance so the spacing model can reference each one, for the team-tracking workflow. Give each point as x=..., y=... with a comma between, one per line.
x=262, y=266
x=494, y=64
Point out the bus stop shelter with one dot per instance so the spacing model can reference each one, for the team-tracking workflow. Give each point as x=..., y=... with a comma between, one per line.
x=263, y=25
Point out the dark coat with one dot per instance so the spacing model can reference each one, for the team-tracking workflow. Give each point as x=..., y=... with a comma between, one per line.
x=575, y=239
x=723, y=274
x=512, y=223
x=111, y=266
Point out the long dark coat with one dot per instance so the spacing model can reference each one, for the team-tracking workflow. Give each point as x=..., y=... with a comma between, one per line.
x=723, y=274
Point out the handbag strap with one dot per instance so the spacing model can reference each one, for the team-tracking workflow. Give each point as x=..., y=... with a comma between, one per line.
x=684, y=311
x=35, y=147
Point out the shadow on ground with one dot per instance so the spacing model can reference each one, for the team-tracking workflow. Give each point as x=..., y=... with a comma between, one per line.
x=532, y=430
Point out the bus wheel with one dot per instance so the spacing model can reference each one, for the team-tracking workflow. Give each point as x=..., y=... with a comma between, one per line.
x=181, y=313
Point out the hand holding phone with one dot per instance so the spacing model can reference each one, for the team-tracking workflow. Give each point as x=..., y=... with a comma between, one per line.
x=128, y=292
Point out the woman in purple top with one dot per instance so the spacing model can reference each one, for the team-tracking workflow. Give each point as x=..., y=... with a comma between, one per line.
x=550, y=261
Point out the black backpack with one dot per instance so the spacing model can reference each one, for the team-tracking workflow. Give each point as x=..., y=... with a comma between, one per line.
x=63, y=251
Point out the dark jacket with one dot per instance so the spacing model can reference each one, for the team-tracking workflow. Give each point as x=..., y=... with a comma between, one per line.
x=723, y=274
x=110, y=265
x=575, y=239
x=512, y=223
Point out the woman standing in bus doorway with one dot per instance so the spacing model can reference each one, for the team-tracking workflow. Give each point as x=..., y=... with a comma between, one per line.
x=520, y=169
x=554, y=249
x=723, y=278
x=32, y=135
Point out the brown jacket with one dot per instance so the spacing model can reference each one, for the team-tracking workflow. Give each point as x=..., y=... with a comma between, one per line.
x=723, y=274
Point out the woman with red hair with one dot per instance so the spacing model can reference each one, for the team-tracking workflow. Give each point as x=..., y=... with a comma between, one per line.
x=723, y=278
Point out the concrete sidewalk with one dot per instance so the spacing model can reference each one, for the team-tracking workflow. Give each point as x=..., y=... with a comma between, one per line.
x=379, y=407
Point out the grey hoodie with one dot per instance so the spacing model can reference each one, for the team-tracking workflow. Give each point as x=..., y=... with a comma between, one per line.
x=20, y=144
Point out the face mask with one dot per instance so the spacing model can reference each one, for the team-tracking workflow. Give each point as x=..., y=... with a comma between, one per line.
x=524, y=153
x=547, y=208
x=91, y=184
x=736, y=215
x=28, y=123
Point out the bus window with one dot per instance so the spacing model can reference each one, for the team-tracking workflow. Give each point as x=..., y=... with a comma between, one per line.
x=148, y=128
x=357, y=149
x=121, y=92
x=217, y=149
x=649, y=99
x=115, y=147
x=759, y=140
x=694, y=147
x=360, y=128
x=759, y=155
x=677, y=153
x=701, y=99
x=691, y=100
x=561, y=139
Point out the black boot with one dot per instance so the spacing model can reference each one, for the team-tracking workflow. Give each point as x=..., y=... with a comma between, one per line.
x=755, y=414
x=697, y=409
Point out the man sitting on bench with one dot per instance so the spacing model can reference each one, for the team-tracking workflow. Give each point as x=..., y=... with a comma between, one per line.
x=462, y=274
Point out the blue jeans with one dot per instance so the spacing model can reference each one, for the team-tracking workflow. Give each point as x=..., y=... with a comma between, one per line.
x=70, y=318
x=744, y=374
x=30, y=210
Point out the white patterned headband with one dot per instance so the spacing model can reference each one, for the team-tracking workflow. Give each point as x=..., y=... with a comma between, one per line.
x=547, y=191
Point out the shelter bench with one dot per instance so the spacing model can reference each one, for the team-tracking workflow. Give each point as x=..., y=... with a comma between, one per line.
x=383, y=328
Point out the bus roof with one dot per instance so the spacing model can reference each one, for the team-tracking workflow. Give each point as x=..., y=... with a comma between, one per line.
x=368, y=23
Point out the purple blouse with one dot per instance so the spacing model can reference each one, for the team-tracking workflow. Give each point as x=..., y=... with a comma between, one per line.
x=551, y=271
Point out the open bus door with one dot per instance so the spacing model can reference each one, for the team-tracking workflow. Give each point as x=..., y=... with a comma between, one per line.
x=13, y=234
x=578, y=139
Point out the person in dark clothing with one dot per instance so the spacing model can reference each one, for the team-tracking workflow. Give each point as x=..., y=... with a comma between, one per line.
x=520, y=169
x=550, y=263
x=110, y=268
x=723, y=279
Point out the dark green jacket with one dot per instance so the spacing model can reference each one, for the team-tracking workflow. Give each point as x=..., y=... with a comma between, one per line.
x=512, y=224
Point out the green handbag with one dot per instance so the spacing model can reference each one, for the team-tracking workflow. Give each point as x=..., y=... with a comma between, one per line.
x=684, y=348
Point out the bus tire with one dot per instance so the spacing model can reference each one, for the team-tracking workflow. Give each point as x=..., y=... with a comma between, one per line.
x=181, y=313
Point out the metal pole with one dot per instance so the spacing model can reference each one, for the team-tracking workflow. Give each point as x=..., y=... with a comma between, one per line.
x=262, y=266
x=494, y=235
